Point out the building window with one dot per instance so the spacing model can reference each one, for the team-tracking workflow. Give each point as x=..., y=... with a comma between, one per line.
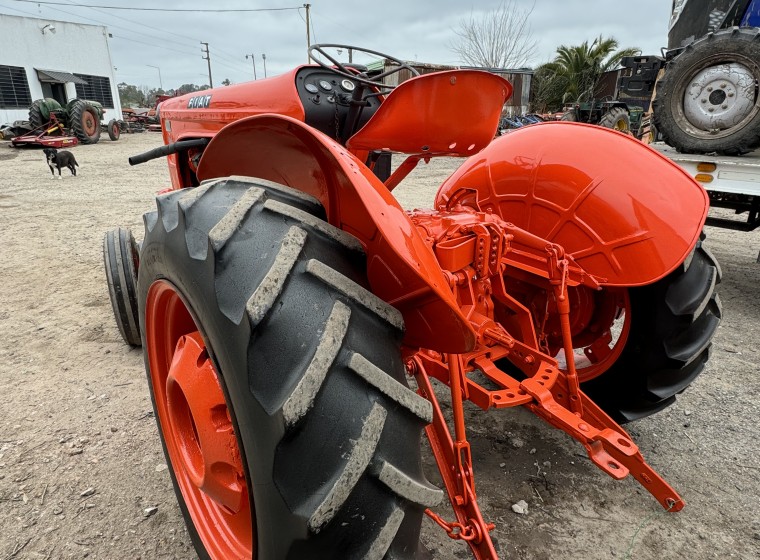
x=98, y=89
x=14, y=88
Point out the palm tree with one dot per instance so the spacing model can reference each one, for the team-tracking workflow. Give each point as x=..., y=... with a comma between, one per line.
x=573, y=75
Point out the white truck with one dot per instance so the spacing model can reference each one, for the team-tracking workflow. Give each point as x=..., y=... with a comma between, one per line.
x=731, y=182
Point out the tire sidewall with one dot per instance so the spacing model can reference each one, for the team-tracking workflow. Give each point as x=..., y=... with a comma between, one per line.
x=227, y=347
x=77, y=115
x=114, y=131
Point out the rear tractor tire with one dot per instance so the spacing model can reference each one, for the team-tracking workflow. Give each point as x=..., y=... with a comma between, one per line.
x=35, y=115
x=122, y=260
x=277, y=380
x=672, y=323
x=84, y=122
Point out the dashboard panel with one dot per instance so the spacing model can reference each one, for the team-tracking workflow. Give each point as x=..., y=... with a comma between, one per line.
x=326, y=99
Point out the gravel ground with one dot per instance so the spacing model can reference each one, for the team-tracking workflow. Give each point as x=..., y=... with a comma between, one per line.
x=82, y=473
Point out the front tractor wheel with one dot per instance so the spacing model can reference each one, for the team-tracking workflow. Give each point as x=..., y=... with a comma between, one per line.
x=121, y=258
x=277, y=380
x=114, y=132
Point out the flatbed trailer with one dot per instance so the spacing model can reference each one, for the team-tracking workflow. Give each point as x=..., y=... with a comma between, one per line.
x=731, y=182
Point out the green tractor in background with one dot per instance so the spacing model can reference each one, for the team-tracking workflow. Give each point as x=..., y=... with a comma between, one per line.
x=81, y=117
x=609, y=114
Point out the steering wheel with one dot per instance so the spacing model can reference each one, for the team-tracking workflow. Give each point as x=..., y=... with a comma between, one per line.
x=341, y=69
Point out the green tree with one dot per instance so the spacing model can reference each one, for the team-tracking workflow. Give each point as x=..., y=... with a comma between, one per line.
x=573, y=75
x=190, y=88
x=131, y=96
x=226, y=82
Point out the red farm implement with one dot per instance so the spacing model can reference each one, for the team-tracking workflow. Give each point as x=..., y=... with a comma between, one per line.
x=50, y=135
x=294, y=318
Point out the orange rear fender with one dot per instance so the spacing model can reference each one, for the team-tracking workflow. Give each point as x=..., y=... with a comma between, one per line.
x=402, y=269
x=625, y=213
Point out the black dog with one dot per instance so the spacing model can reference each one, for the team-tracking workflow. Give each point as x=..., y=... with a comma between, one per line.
x=56, y=159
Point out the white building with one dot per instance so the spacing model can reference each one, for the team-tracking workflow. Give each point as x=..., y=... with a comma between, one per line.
x=59, y=59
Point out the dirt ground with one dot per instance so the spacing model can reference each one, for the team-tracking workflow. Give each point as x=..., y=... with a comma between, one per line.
x=81, y=462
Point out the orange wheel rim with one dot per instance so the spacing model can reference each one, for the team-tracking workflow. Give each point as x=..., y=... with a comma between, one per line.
x=197, y=426
x=603, y=339
x=89, y=124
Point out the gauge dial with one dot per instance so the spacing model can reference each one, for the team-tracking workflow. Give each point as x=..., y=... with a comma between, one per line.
x=311, y=88
x=348, y=85
x=325, y=85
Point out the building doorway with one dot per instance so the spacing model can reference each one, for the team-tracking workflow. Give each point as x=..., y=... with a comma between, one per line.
x=55, y=90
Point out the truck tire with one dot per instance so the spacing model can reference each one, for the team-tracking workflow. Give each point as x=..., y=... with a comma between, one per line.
x=121, y=258
x=269, y=359
x=84, y=122
x=570, y=115
x=707, y=100
x=672, y=323
x=616, y=118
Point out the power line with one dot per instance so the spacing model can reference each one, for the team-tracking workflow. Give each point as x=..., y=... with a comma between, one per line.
x=157, y=9
x=122, y=27
x=141, y=24
x=151, y=45
x=19, y=11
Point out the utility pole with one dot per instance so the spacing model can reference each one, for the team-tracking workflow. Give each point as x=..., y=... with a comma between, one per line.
x=160, y=81
x=253, y=59
x=308, y=34
x=264, y=56
x=208, y=59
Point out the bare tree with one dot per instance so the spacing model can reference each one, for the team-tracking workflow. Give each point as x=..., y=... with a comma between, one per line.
x=500, y=38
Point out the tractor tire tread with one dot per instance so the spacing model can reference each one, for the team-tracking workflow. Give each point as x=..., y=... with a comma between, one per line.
x=669, y=343
x=75, y=122
x=341, y=424
x=612, y=116
x=119, y=249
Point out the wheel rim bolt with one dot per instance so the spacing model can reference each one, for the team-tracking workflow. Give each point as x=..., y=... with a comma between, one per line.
x=724, y=106
x=730, y=93
x=711, y=109
x=723, y=86
x=709, y=88
x=704, y=100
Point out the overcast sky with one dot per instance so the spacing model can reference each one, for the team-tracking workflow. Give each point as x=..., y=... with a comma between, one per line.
x=407, y=29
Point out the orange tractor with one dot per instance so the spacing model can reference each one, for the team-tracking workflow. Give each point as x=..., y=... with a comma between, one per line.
x=295, y=319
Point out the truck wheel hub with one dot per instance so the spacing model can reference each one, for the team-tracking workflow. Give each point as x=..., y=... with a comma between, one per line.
x=720, y=97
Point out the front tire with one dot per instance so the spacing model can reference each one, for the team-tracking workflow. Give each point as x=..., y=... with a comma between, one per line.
x=243, y=286
x=121, y=258
x=113, y=130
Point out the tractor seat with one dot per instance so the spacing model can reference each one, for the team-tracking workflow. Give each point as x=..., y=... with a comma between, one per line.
x=452, y=113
